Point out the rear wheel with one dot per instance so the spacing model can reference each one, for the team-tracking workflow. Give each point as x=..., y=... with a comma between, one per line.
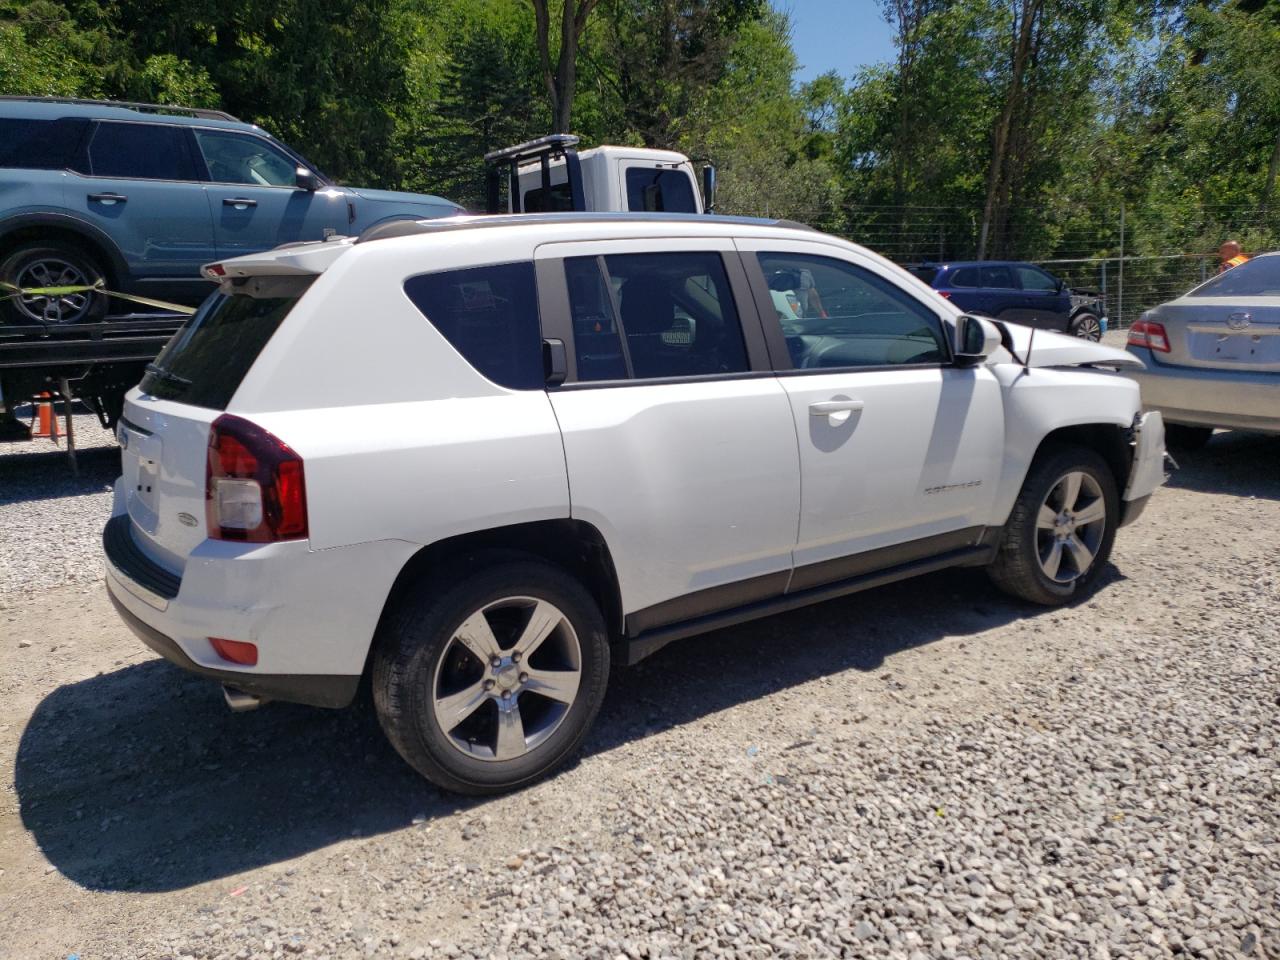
x=1060, y=532
x=1087, y=327
x=44, y=266
x=1179, y=436
x=492, y=681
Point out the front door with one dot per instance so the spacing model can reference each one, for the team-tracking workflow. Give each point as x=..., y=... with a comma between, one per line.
x=1046, y=302
x=255, y=201
x=678, y=438
x=899, y=449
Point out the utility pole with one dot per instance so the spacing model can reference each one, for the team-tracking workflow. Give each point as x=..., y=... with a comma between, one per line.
x=1120, y=281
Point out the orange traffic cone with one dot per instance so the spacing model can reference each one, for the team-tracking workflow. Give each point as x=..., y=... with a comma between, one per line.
x=48, y=426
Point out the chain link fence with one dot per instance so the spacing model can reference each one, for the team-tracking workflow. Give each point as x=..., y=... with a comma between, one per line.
x=1133, y=259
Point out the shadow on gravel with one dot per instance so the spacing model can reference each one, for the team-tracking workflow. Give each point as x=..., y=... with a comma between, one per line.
x=1234, y=463
x=46, y=475
x=141, y=779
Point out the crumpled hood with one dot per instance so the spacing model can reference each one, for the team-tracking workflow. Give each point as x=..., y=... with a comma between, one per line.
x=438, y=206
x=1059, y=350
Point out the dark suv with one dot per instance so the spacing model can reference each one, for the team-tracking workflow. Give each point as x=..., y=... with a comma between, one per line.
x=139, y=196
x=1018, y=292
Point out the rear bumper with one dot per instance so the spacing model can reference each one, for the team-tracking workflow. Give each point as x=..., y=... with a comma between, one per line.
x=317, y=690
x=1236, y=399
x=311, y=614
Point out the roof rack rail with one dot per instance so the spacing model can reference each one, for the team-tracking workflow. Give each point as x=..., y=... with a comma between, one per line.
x=204, y=113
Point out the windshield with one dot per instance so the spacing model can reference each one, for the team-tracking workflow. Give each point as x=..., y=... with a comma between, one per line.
x=1259, y=277
x=208, y=357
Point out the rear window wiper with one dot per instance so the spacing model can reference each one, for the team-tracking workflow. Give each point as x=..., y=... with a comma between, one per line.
x=164, y=374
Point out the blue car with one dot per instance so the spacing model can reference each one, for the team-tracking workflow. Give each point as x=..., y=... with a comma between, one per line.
x=139, y=196
x=1018, y=292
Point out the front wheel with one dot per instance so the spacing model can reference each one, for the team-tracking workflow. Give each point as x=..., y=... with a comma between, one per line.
x=1087, y=327
x=1060, y=532
x=494, y=681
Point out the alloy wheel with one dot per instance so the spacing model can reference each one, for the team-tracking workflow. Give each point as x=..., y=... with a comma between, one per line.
x=1089, y=328
x=48, y=308
x=1069, y=527
x=507, y=678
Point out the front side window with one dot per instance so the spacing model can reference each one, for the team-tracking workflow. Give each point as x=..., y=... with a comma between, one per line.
x=836, y=314
x=659, y=191
x=653, y=316
x=490, y=316
x=1033, y=278
x=147, y=151
x=236, y=158
x=999, y=278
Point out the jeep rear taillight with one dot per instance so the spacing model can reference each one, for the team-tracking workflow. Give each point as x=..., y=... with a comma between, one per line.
x=254, y=485
x=1149, y=334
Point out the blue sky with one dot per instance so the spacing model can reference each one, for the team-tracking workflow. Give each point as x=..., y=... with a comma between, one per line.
x=840, y=35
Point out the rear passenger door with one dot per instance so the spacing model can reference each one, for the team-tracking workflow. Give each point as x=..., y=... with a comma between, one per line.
x=899, y=448
x=678, y=437
x=138, y=183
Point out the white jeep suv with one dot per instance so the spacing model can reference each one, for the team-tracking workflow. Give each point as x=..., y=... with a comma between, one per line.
x=480, y=459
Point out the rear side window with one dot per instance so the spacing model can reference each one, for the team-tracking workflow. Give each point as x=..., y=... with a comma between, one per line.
x=39, y=144
x=999, y=277
x=964, y=277
x=925, y=273
x=207, y=359
x=490, y=316
x=147, y=151
x=660, y=191
x=653, y=316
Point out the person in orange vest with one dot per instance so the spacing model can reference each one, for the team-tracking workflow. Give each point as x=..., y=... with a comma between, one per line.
x=1231, y=256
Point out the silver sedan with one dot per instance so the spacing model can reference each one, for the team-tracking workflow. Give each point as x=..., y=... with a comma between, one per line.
x=1213, y=355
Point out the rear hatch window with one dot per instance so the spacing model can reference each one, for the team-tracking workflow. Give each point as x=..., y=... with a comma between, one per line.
x=207, y=359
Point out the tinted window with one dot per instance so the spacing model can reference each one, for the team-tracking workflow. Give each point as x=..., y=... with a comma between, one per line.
x=964, y=277
x=39, y=144
x=235, y=158
x=836, y=314
x=1259, y=277
x=150, y=151
x=1032, y=278
x=490, y=316
x=998, y=277
x=657, y=191
x=924, y=273
x=653, y=315
x=559, y=198
x=209, y=356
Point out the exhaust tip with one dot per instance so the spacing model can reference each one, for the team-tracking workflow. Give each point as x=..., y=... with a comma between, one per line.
x=239, y=701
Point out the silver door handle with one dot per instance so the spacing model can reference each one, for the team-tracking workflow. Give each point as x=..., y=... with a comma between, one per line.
x=240, y=203
x=836, y=411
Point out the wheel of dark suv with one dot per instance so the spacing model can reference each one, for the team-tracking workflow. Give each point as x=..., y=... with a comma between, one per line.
x=46, y=265
x=491, y=682
x=1180, y=436
x=1060, y=532
x=1087, y=327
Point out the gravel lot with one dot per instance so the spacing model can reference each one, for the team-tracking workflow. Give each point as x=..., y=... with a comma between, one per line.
x=927, y=770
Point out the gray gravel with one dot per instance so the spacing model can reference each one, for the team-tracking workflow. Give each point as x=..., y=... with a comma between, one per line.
x=51, y=518
x=924, y=771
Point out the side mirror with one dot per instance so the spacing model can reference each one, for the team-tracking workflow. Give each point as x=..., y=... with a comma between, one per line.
x=307, y=180
x=708, y=188
x=976, y=339
x=1062, y=285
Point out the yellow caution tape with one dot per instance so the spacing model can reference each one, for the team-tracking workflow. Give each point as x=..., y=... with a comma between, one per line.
x=16, y=291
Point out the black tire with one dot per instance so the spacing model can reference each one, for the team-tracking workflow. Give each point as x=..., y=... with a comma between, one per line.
x=1086, y=326
x=422, y=629
x=1017, y=568
x=1180, y=436
x=34, y=264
